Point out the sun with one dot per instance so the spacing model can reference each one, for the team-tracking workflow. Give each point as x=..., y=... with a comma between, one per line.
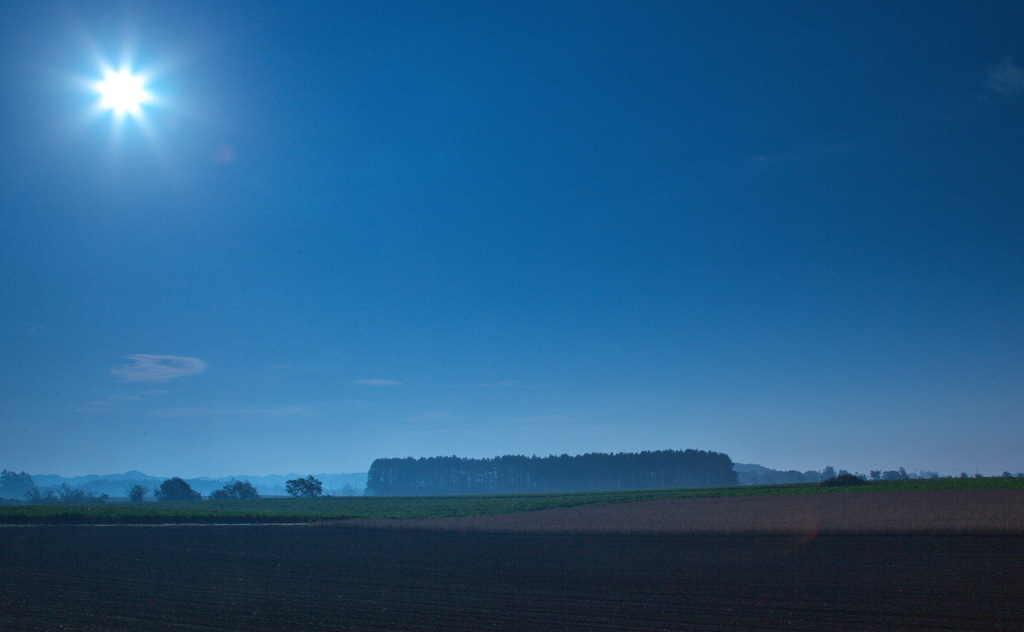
x=123, y=92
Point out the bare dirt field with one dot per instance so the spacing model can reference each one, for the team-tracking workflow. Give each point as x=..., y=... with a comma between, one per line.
x=337, y=577
x=945, y=511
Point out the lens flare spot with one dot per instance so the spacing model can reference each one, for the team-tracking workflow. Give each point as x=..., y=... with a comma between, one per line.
x=123, y=92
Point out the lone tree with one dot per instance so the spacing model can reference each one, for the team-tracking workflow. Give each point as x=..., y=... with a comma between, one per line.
x=136, y=493
x=15, y=484
x=176, y=489
x=237, y=490
x=308, y=487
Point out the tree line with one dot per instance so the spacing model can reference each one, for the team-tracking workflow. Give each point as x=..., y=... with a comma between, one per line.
x=19, y=485
x=446, y=475
x=752, y=474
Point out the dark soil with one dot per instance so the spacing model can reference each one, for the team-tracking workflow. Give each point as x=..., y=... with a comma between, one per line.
x=940, y=512
x=341, y=578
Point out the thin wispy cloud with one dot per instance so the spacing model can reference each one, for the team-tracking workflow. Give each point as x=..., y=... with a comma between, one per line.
x=110, y=403
x=542, y=420
x=157, y=368
x=378, y=383
x=1007, y=77
x=431, y=416
x=199, y=411
x=504, y=384
x=141, y=396
x=101, y=406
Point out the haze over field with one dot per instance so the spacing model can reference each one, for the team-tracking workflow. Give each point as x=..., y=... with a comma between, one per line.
x=316, y=234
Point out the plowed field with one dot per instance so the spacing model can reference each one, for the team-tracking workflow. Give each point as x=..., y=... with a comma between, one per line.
x=254, y=578
x=939, y=511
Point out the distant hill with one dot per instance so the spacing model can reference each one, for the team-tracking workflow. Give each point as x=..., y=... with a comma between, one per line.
x=115, y=485
x=53, y=480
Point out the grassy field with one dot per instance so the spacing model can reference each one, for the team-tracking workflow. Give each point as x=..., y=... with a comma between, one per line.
x=288, y=510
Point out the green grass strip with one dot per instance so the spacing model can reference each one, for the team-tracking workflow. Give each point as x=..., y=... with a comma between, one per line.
x=292, y=510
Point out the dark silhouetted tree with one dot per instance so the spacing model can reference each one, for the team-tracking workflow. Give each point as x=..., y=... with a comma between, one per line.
x=308, y=487
x=843, y=480
x=136, y=493
x=176, y=489
x=72, y=496
x=64, y=495
x=15, y=484
x=827, y=473
x=36, y=495
x=894, y=475
x=237, y=490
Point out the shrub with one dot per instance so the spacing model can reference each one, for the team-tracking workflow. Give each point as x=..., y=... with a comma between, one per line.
x=176, y=489
x=237, y=490
x=136, y=493
x=64, y=495
x=843, y=480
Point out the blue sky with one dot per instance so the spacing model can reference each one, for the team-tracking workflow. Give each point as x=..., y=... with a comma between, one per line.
x=787, y=231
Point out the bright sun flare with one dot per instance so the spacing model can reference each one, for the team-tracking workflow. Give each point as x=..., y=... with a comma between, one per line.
x=122, y=92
